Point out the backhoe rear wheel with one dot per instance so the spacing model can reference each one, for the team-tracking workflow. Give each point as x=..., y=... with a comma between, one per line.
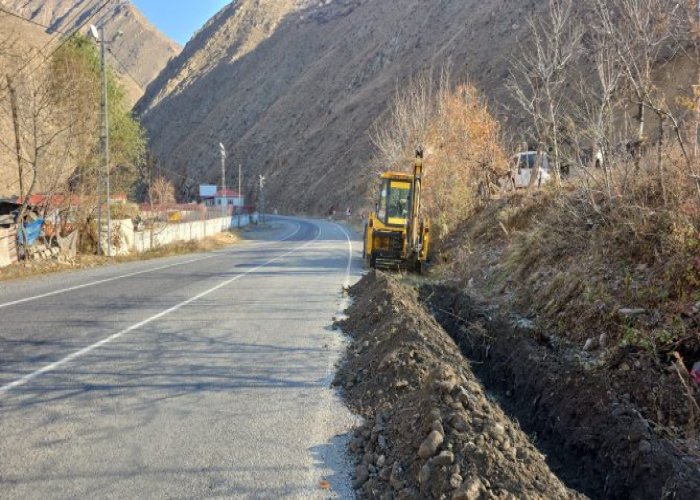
x=364, y=243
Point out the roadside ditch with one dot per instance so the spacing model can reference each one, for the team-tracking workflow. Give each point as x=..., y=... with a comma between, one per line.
x=597, y=440
x=458, y=403
x=430, y=429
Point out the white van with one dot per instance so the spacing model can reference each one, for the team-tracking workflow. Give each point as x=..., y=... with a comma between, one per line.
x=522, y=166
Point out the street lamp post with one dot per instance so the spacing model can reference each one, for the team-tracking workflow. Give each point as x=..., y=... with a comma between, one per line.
x=99, y=37
x=262, y=199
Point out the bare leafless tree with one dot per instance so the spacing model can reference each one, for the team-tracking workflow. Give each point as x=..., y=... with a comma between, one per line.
x=540, y=73
x=47, y=118
x=161, y=191
x=42, y=140
x=410, y=114
x=692, y=17
x=645, y=35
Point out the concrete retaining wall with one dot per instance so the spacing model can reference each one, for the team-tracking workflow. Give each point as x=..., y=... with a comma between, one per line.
x=163, y=234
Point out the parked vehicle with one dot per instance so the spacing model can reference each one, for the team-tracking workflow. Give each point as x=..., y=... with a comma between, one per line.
x=523, y=165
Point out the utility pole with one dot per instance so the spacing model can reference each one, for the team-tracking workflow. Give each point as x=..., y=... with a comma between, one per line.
x=240, y=197
x=224, y=200
x=99, y=37
x=105, y=145
x=262, y=199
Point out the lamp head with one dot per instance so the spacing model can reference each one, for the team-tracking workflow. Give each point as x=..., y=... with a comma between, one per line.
x=95, y=34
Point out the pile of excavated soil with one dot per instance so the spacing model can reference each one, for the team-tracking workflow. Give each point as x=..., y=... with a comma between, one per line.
x=430, y=430
x=585, y=416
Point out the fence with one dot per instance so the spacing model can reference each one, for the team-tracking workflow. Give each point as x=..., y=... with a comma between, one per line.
x=8, y=246
x=191, y=212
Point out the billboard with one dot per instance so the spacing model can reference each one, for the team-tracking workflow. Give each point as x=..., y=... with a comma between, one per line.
x=207, y=191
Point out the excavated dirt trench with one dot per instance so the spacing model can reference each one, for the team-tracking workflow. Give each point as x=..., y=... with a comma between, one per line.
x=432, y=430
x=596, y=439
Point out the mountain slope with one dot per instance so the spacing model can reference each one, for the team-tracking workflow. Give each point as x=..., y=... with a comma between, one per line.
x=297, y=101
x=141, y=53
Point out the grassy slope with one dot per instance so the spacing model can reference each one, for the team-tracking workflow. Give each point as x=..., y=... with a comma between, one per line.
x=547, y=258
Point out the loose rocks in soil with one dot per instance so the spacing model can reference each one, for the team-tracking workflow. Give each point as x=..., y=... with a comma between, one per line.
x=430, y=430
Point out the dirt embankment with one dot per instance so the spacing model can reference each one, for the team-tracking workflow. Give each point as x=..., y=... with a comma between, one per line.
x=430, y=429
x=584, y=415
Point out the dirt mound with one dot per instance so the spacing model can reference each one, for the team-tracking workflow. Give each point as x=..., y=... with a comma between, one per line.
x=585, y=417
x=430, y=431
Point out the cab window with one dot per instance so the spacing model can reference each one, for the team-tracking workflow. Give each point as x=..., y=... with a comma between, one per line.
x=381, y=206
x=398, y=200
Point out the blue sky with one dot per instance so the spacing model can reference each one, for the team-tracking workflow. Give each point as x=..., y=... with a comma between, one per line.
x=179, y=19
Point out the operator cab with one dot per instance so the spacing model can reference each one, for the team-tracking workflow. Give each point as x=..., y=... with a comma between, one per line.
x=394, y=204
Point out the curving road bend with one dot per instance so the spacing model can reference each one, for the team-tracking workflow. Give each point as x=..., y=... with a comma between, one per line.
x=205, y=376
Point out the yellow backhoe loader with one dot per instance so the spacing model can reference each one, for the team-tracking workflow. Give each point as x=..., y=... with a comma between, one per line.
x=397, y=234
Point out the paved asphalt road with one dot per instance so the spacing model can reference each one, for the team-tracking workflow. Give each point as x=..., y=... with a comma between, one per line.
x=188, y=377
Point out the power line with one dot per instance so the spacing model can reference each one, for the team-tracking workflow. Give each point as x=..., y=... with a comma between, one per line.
x=46, y=58
x=30, y=21
x=52, y=29
x=124, y=68
x=73, y=32
x=64, y=41
x=68, y=36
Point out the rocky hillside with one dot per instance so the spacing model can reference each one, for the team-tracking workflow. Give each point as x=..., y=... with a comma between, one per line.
x=294, y=88
x=140, y=54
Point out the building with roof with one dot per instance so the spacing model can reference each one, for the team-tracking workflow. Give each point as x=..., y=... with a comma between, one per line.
x=227, y=197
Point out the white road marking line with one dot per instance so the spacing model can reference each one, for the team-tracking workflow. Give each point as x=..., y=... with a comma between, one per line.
x=136, y=273
x=347, y=270
x=48, y=368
